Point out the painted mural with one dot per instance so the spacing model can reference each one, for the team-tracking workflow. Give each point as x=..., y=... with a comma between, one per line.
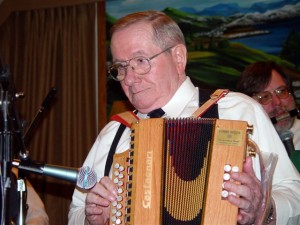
x=223, y=36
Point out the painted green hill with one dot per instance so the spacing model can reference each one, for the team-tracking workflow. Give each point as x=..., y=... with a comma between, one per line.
x=221, y=67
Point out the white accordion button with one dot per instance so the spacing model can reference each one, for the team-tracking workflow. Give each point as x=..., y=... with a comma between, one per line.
x=232, y=193
x=224, y=194
x=116, y=173
x=227, y=168
x=235, y=169
x=117, y=165
x=121, y=168
x=119, y=206
x=226, y=176
x=116, y=180
x=120, y=190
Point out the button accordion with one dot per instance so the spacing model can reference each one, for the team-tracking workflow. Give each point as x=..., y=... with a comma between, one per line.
x=174, y=170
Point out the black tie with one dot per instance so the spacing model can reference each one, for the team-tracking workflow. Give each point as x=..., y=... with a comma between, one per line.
x=157, y=113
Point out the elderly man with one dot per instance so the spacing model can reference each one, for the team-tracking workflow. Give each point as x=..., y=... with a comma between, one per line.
x=149, y=59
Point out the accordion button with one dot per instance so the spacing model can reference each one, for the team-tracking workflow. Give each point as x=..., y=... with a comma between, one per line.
x=235, y=169
x=114, y=204
x=119, y=198
x=116, y=180
x=224, y=194
x=113, y=218
x=226, y=176
x=120, y=190
x=227, y=168
x=121, y=168
x=118, y=221
x=119, y=206
x=117, y=165
x=116, y=173
x=119, y=213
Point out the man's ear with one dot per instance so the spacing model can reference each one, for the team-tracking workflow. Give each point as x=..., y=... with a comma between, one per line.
x=180, y=57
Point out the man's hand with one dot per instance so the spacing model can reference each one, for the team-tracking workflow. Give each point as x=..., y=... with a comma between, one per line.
x=249, y=191
x=98, y=200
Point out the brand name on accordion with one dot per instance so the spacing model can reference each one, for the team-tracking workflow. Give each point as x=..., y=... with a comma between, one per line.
x=148, y=180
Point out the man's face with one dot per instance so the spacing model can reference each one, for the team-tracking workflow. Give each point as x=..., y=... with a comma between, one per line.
x=279, y=106
x=155, y=88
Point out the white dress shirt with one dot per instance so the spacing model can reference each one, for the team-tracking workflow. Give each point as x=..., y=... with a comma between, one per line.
x=234, y=106
x=296, y=131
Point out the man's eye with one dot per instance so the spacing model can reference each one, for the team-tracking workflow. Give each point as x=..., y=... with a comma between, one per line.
x=140, y=60
x=119, y=66
x=263, y=97
x=280, y=91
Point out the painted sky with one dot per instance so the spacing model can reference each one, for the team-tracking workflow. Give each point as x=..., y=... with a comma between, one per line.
x=119, y=8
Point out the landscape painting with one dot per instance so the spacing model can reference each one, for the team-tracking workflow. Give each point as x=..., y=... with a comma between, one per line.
x=224, y=36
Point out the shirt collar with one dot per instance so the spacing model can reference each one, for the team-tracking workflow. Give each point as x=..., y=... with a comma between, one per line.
x=180, y=99
x=178, y=102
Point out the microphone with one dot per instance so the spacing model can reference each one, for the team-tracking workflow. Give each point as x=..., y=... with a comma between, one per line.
x=291, y=113
x=85, y=177
x=287, y=139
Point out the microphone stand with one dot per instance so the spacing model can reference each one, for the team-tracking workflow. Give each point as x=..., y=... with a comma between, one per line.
x=8, y=117
x=11, y=138
x=11, y=131
x=24, y=156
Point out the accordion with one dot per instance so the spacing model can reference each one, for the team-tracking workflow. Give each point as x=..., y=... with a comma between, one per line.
x=174, y=170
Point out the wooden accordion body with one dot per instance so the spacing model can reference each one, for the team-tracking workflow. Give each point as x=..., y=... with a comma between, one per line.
x=173, y=172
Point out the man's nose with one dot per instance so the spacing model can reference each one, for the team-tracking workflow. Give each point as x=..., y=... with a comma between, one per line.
x=276, y=100
x=130, y=76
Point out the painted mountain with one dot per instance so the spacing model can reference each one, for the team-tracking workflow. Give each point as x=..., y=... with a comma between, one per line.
x=224, y=38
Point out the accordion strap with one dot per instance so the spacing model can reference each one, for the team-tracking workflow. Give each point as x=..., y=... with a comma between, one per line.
x=214, y=97
x=112, y=149
x=126, y=119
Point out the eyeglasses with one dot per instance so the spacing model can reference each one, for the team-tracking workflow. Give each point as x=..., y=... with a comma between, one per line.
x=265, y=97
x=140, y=65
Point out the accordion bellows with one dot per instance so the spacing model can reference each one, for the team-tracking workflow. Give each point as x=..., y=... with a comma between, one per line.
x=174, y=171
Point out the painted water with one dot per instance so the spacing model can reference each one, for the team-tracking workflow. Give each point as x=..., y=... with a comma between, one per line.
x=273, y=41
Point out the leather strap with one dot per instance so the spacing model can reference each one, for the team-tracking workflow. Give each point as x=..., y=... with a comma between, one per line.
x=112, y=150
x=126, y=118
x=214, y=97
